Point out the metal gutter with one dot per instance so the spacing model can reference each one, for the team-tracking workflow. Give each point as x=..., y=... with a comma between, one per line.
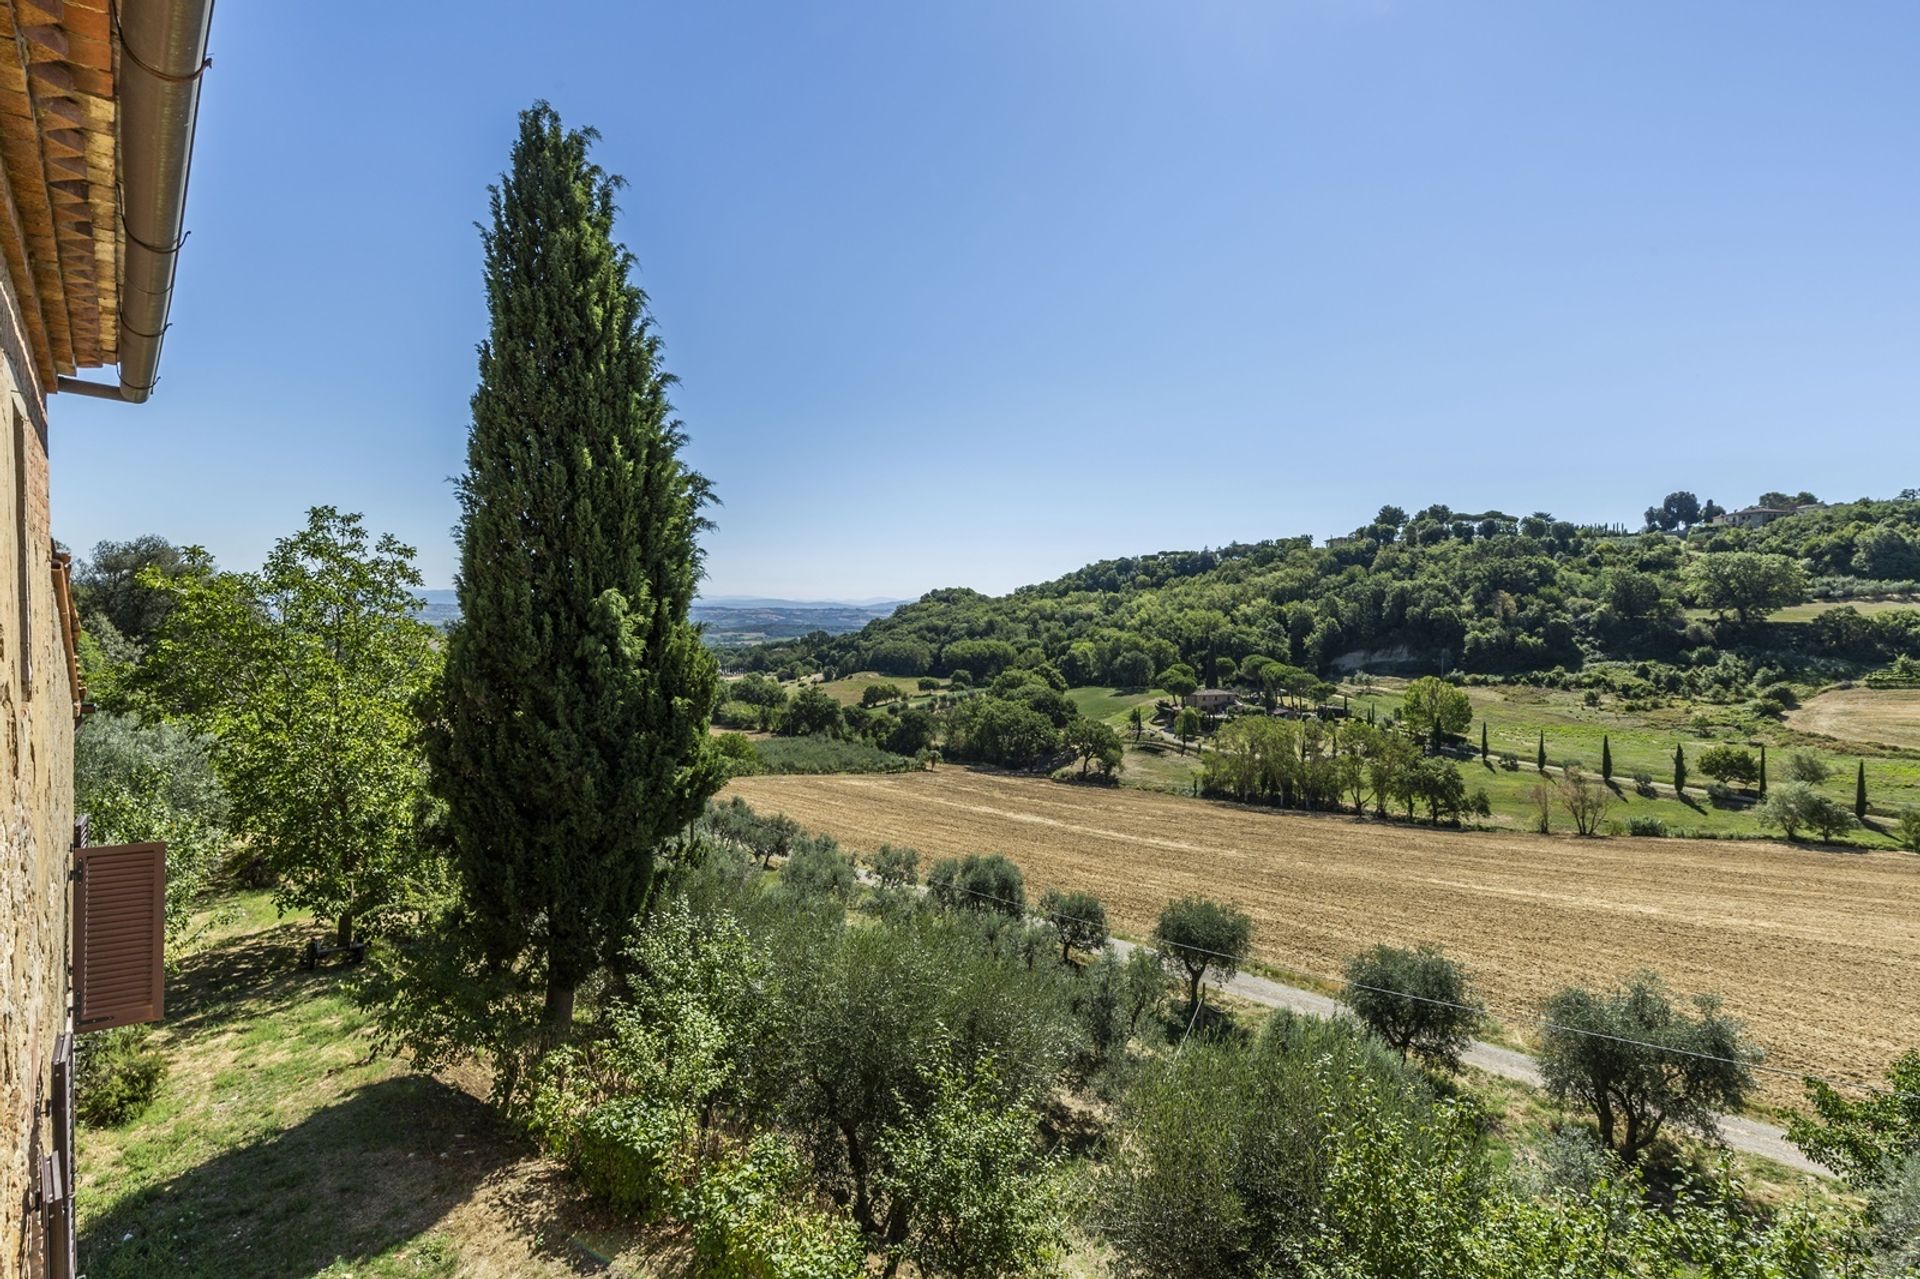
x=163, y=53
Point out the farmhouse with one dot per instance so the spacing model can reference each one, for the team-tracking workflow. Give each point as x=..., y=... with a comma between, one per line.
x=1759, y=516
x=96, y=126
x=1214, y=701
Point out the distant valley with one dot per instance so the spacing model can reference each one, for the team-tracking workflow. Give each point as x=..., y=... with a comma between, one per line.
x=734, y=619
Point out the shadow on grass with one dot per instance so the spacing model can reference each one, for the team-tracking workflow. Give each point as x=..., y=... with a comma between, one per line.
x=360, y=1179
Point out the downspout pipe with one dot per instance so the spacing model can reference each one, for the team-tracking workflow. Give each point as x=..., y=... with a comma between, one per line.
x=163, y=53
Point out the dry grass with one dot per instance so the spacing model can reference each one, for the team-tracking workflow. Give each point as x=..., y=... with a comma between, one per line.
x=1877, y=716
x=1818, y=951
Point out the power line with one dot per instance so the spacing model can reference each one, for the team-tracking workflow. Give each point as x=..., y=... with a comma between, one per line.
x=1534, y=1018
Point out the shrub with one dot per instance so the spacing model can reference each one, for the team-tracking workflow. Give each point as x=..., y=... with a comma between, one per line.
x=1418, y=1001
x=1643, y=785
x=635, y=1154
x=927, y=684
x=1797, y=806
x=988, y=882
x=1805, y=766
x=1509, y=762
x=1721, y=795
x=736, y=754
x=895, y=867
x=736, y=714
x=752, y=1220
x=1908, y=829
x=986, y=1202
x=817, y=868
x=1652, y=827
x=116, y=1075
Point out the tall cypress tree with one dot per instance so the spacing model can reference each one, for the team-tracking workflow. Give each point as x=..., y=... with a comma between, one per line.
x=1763, y=768
x=1540, y=755
x=1483, y=741
x=570, y=738
x=1679, y=771
x=1860, y=792
x=1606, y=759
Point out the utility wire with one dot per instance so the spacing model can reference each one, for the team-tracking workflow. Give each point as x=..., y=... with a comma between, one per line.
x=1534, y=1018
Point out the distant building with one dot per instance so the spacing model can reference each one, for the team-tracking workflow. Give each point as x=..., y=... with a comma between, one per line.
x=1759, y=516
x=1215, y=701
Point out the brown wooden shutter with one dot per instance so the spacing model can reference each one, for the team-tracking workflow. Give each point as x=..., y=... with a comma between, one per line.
x=62, y=1258
x=119, y=932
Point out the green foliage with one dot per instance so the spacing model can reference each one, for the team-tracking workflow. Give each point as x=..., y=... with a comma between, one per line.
x=826, y=755
x=1433, y=708
x=117, y=1073
x=875, y=694
x=1729, y=764
x=139, y=781
x=985, y=1201
x=1797, y=806
x=752, y=1220
x=1417, y=1001
x=1806, y=766
x=895, y=867
x=1637, y=1063
x=1745, y=583
x=996, y=730
x=1199, y=936
x=303, y=678
x=817, y=868
x=129, y=585
x=569, y=736
x=1908, y=829
x=1094, y=742
x=1219, y=1165
x=1078, y=917
x=1188, y=724
x=987, y=882
x=811, y=712
x=1867, y=1140
x=1179, y=680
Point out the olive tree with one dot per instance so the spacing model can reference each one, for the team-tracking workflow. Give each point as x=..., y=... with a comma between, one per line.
x=1418, y=1001
x=1079, y=918
x=1638, y=1063
x=1199, y=936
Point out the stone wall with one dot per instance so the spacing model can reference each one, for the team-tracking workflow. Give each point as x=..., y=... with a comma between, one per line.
x=36, y=818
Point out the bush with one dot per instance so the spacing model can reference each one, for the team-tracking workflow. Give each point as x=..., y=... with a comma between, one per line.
x=1643, y=785
x=1908, y=829
x=817, y=868
x=1509, y=762
x=1651, y=827
x=986, y=1202
x=736, y=754
x=635, y=1154
x=752, y=1220
x=1805, y=766
x=1436, y=1023
x=737, y=715
x=1721, y=795
x=895, y=867
x=988, y=882
x=1797, y=806
x=116, y=1075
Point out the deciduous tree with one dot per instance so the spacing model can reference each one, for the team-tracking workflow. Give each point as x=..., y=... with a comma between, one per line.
x=1199, y=936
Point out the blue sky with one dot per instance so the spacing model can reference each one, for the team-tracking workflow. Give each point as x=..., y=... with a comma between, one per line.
x=973, y=294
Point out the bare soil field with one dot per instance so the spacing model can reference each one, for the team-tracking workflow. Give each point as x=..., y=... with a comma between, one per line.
x=1818, y=951
x=1878, y=716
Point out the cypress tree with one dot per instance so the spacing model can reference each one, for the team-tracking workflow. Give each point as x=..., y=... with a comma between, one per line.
x=1606, y=759
x=1763, y=768
x=1483, y=741
x=570, y=738
x=1860, y=792
x=1540, y=755
x=1679, y=771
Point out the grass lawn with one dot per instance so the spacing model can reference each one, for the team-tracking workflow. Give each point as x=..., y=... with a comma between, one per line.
x=282, y=1144
x=847, y=691
x=1112, y=704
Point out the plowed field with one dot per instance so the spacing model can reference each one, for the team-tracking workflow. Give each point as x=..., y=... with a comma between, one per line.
x=1818, y=951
